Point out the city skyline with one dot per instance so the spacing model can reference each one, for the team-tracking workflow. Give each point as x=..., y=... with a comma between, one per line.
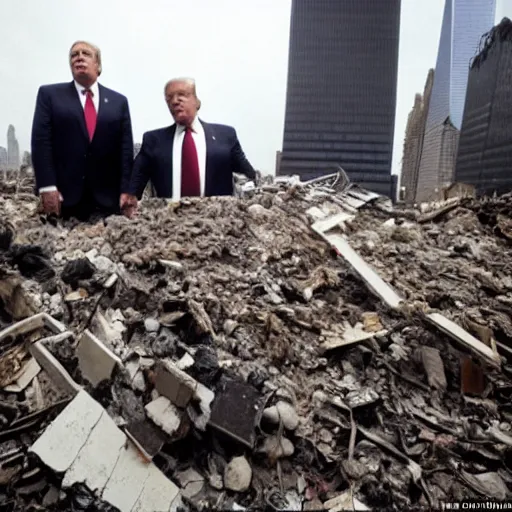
x=464, y=24
x=241, y=76
x=339, y=48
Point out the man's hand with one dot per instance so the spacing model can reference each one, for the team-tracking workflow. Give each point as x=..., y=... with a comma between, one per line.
x=128, y=204
x=51, y=202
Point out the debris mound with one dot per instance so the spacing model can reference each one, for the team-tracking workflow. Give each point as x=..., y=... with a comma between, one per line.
x=225, y=352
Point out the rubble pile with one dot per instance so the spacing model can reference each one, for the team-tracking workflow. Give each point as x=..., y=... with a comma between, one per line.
x=461, y=263
x=219, y=353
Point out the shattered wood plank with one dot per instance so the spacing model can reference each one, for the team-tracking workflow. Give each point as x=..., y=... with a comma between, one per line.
x=431, y=216
x=458, y=334
x=370, y=277
x=323, y=225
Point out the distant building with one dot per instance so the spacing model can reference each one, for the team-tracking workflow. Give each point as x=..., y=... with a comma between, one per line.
x=136, y=149
x=341, y=91
x=464, y=23
x=484, y=158
x=13, y=149
x=278, y=161
x=413, y=142
x=3, y=158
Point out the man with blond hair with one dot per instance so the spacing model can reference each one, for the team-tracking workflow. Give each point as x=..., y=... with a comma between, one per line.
x=190, y=158
x=82, y=143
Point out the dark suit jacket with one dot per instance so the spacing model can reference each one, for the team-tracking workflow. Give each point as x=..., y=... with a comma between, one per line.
x=224, y=156
x=62, y=154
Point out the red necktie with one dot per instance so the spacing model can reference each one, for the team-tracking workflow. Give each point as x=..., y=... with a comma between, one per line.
x=90, y=113
x=190, y=181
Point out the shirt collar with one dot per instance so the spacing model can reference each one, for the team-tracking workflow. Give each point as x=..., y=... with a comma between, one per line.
x=94, y=89
x=196, y=126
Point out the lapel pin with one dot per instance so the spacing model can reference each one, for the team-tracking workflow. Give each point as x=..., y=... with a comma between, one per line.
x=213, y=137
x=106, y=100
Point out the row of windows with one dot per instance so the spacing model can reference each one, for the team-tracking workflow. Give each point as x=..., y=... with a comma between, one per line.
x=355, y=137
x=289, y=165
x=342, y=156
x=337, y=146
x=361, y=133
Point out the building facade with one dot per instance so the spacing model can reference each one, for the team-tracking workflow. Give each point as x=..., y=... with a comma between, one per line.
x=341, y=94
x=413, y=141
x=464, y=24
x=13, y=149
x=484, y=158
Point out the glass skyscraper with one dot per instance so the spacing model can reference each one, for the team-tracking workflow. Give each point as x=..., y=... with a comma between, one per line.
x=485, y=148
x=464, y=24
x=341, y=95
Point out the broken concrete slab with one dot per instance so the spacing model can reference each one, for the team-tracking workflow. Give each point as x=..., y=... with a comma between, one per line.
x=127, y=480
x=158, y=494
x=98, y=456
x=164, y=414
x=61, y=442
x=84, y=442
x=174, y=384
x=95, y=359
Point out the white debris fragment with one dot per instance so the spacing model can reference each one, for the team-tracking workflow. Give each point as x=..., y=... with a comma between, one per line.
x=238, y=475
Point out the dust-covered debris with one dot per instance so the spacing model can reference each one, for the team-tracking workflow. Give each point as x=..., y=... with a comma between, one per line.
x=239, y=352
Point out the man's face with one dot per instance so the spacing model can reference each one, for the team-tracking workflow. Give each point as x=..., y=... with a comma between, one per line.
x=84, y=65
x=182, y=102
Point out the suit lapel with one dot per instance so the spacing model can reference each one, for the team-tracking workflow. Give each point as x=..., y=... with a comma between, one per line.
x=168, y=148
x=210, y=140
x=76, y=107
x=103, y=105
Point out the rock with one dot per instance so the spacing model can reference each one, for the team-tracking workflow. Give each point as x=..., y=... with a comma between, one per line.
x=238, y=475
x=277, y=448
x=283, y=411
x=151, y=325
x=104, y=264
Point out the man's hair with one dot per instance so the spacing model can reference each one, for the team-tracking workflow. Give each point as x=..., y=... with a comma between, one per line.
x=185, y=80
x=94, y=48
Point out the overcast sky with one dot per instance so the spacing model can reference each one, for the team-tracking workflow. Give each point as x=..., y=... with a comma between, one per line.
x=236, y=49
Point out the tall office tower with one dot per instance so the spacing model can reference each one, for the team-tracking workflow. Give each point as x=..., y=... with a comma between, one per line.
x=485, y=148
x=413, y=142
x=341, y=96
x=13, y=149
x=3, y=158
x=464, y=23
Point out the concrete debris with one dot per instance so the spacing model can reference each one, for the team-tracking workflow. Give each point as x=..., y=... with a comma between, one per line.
x=305, y=346
x=95, y=360
x=238, y=475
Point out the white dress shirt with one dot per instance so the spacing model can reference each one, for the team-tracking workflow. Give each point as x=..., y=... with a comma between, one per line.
x=200, y=142
x=96, y=101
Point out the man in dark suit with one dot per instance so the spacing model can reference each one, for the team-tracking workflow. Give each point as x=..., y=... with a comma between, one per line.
x=82, y=144
x=191, y=157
